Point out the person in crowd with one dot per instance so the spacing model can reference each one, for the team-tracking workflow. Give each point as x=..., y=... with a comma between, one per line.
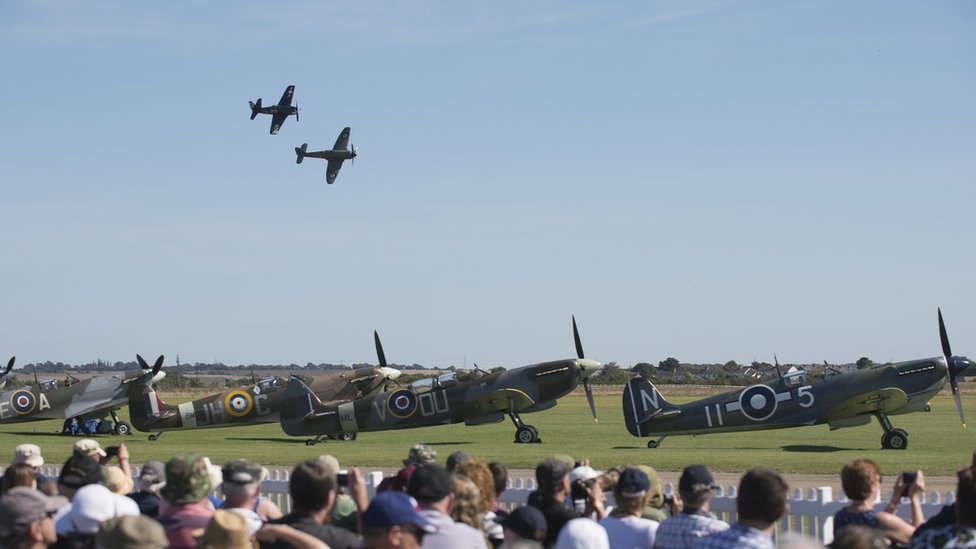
x=186, y=493
x=242, y=489
x=392, y=522
x=216, y=475
x=524, y=527
x=430, y=485
x=30, y=454
x=500, y=475
x=91, y=448
x=481, y=475
x=26, y=518
x=582, y=533
x=467, y=507
x=861, y=481
x=116, y=480
x=581, y=485
x=760, y=504
x=131, y=532
x=552, y=487
x=78, y=471
x=696, y=490
x=947, y=515
x=455, y=459
x=658, y=506
x=312, y=486
x=152, y=478
x=963, y=532
x=859, y=537
x=420, y=455
x=91, y=505
x=19, y=474
x=629, y=529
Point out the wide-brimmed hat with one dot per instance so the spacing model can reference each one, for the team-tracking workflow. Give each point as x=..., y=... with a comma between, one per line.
x=20, y=506
x=421, y=454
x=226, y=530
x=131, y=532
x=187, y=480
x=29, y=454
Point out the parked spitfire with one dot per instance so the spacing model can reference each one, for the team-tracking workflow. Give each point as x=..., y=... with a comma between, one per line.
x=257, y=403
x=279, y=113
x=441, y=400
x=840, y=400
x=92, y=398
x=339, y=153
x=3, y=376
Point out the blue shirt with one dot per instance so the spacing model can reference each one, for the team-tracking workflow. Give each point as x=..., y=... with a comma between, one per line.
x=681, y=531
x=844, y=518
x=738, y=536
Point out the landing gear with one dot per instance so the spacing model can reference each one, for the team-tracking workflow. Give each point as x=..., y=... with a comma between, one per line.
x=313, y=441
x=343, y=436
x=524, y=434
x=155, y=436
x=122, y=428
x=893, y=439
x=656, y=443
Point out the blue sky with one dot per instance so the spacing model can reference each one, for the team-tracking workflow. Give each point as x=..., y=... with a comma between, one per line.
x=704, y=180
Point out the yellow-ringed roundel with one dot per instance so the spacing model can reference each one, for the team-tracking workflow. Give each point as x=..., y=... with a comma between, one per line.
x=23, y=402
x=238, y=403
x=758, y=402
x=402, y=403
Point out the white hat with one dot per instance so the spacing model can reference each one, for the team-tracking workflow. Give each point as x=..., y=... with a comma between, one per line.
x=583, y=472
x=92, y=505
x=29, y=454
x=88, y=447
x=582, y=533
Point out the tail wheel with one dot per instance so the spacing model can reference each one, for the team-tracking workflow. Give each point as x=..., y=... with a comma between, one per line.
x=122, y=428
x=348, y=437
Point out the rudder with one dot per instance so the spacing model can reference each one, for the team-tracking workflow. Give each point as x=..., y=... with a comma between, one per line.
x=641, y=402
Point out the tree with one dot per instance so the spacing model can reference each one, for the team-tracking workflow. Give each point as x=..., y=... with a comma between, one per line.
x=730, y=366
x=864, y=362
x=644, y=369
x=669, y=364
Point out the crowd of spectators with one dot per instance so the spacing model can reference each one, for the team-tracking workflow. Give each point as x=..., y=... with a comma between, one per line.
x=98, y=502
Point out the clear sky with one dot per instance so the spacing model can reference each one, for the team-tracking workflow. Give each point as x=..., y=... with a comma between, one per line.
x=705, y=180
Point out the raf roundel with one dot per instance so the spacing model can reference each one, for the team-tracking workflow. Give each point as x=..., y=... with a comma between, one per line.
x=402, y=403
x=758, y=402
x=23, y=402
x=238, y=403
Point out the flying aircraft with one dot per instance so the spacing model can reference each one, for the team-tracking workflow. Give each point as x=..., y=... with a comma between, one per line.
x=256, y=403
x=441, y=400
x=336, y=156
x=278, y=112
x=839, y=400
x=92, y=398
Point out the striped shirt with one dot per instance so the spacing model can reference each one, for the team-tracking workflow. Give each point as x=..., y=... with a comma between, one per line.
x=738, y=536
x=680, y=531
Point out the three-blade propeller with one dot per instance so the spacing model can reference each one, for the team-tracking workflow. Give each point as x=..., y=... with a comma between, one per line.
x=955, y=365
x=586, y=378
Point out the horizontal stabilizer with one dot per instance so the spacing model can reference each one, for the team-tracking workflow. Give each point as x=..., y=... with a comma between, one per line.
x=642, y=403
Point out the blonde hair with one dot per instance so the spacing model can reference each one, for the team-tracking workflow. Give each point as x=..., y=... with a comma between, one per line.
x=480, y=474
x=467, y=502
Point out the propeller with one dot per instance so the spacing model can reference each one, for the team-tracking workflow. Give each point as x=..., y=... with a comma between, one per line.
x=3, y=376
x=354, y=153
x=296, y=111
x=955, y=365
x=390, y=374
x=586, y=377
x=154, y=369
x=379, y=349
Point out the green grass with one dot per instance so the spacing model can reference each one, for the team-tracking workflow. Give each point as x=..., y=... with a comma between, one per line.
x=937, y=443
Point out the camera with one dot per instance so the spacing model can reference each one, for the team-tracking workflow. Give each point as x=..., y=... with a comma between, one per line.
x=580, y=488
x=907, y=479
x=111, y=451
x=342, y=478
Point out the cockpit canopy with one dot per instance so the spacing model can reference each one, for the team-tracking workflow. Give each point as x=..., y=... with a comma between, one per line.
x=795, y=377
x=268, y=385
x=430, y=383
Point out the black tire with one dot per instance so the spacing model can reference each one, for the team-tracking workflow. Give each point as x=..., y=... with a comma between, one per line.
x=310, y=442
x=122, y=429
x=152, y=438
x=653, y=444
x=526, y=435
x=895, y=439
x=348, y=437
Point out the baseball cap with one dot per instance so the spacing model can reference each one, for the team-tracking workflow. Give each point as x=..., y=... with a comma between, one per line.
x=152, y=475
x=429, y=483
x=20, y=506
x=80, y=470
x=457, y=458
x=241, y=471
x=528, y=522
x=583, y=472
x=187, y=480
x=633, y=483
x=421, y=454
x=131, y=532
x=395, y=508
x=88, y=447
x=550, y=473
x=695, y=478
x=29, y=454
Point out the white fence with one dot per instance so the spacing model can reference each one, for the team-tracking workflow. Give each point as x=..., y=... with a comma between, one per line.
x=811, y=511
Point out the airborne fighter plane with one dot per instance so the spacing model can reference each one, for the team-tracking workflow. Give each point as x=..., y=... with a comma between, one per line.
x=92, y=398
x=336, y=156
x=278, y=112
x=257, y=403
x=840, y=400
x=441, y=400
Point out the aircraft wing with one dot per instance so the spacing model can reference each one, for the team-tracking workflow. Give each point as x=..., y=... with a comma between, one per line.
x=501, y=400
x=333, y=170
x=884, y=400
x=286, y=97
x=342, y=142
x=276, y=121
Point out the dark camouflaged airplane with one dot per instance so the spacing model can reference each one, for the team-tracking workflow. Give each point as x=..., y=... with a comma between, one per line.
x=279, y=113
x=441, y=400
x=340, y=153
x=840, y=400
x=75, y=399
x=256, y=403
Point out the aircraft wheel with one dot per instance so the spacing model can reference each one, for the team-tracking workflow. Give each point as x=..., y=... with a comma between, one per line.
x=310, y=442
x=526, y=434
x=152, y=438
x=652, y=444
x=122, y=428
x=347, y=437
x=896, y=439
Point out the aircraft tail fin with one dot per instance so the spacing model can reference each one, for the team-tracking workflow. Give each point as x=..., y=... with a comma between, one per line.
x=642, y=402
x=255, y=108
x=300, y=151
x=146, y=408
x=298, y=404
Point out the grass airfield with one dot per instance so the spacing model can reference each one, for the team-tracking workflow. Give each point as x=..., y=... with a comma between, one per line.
x=937, y=442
